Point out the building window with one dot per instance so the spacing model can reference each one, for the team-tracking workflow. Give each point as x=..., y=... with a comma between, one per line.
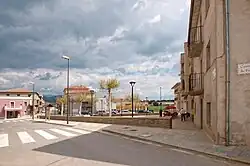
x=29, y=95
x=25, y=104
x=18, y=94
x=208, y=56
x=207, y=5
x=209, y=114
x=7, y=94
x=12, y=104
x=183, y=84
x=182, y=68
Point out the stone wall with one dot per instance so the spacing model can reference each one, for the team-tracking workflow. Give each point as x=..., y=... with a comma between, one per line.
x=164, y=122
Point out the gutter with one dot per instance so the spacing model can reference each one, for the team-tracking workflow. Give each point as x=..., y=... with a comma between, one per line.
x=228, y=71
x=190, y=20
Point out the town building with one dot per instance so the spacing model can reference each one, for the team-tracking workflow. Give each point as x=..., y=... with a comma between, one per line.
x=102, y=104
x=18, y=102
x=80, y=105
x=215, y=76
x=177, y=95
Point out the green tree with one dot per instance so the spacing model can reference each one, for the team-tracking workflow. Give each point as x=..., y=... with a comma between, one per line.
x=61, y=101
x=81, y=98
x=136, y=99
x=109, y=85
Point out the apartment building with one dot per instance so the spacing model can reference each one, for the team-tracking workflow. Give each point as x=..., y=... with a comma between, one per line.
x=216, y=71
x=18, y=102
x=177, y=95
x=77, y=105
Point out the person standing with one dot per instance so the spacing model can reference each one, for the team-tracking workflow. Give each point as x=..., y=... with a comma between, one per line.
x=183, y=114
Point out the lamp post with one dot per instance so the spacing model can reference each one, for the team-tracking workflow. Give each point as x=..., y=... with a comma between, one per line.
x=92, y=94
x=132, y=83
x=68, y=102
x=33, y=99
x=121, y=107
x=160, y=104
x=146, y=103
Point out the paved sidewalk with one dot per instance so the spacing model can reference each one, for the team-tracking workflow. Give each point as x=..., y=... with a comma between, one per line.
x=80, y=125
x=192, y=140
x=56, y=122
x=186, y=139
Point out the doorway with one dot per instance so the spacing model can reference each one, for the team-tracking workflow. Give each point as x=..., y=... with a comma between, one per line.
x=12, y=114
x=201, y=104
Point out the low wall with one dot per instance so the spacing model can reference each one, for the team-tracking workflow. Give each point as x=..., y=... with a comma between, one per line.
x=163, y=122
x=135, y=114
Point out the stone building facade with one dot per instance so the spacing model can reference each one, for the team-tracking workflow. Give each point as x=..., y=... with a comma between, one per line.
x=224, y=113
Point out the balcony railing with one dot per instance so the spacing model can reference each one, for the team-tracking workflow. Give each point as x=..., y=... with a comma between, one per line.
x=196, y=42
x=13, y=108
x=196, y=84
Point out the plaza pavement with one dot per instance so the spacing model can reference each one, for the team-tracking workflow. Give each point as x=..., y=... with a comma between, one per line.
x=183, y=136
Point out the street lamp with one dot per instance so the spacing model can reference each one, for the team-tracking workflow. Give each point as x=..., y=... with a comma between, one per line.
x=160, y=104
x=92, y=94
x=68, y=102
x=33, y=99
x=121, y=107
x=132, y=83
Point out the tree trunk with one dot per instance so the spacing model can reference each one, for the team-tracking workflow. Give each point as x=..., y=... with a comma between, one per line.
x=80, y=109
x=110, y=107
x=62, y=107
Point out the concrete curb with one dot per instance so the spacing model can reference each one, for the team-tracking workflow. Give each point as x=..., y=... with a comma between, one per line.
x=67, y=125
x=230, y=159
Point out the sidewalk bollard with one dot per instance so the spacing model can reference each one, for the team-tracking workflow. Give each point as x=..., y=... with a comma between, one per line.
x=160, y=113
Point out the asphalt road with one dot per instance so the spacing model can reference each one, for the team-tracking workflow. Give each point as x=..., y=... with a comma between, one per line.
x=87, y=148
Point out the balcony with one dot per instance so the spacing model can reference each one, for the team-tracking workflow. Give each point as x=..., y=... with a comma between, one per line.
x=12, y=108
x=196, y=42
x=196, y=86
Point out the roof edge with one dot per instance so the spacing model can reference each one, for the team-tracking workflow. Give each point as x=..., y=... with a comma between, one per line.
x=190, y=20
x=177, y=84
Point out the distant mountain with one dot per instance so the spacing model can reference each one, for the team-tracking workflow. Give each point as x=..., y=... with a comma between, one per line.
x=51, y=98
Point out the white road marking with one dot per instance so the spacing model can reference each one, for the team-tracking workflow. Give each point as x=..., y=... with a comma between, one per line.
x=45, y=134
x=65, y=133
x=183, y=151
x=1, y=121
x=144, y=142
x=21, y=120
x=77, y=130
x=7, y=121
x=25, y=137
x=4, y=140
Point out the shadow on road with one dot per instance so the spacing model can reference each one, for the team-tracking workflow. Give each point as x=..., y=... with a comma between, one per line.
x=106, y=148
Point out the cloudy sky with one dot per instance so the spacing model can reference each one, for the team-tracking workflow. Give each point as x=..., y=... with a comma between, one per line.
x=137, y=40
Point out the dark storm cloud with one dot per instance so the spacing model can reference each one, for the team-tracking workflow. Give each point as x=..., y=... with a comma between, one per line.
x=35, y=33
x=24, y=36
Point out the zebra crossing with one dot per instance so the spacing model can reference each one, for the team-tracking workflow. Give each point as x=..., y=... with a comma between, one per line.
x=14, y=121
x=28, y=137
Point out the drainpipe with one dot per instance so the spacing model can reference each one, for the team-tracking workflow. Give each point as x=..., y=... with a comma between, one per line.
x=228, y=71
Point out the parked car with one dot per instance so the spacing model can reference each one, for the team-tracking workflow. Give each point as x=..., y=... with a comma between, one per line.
x=100, y=113
x=85, y=112
x=125, y=112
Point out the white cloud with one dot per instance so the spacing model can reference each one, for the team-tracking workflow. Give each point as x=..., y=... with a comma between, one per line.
x=129, y=40
x=155, y=19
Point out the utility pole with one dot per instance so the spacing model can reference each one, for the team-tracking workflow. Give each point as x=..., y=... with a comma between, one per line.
x=121, y=108
x=146, y=103
x=160, y=104
x=68, y=99
x=33, y=101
